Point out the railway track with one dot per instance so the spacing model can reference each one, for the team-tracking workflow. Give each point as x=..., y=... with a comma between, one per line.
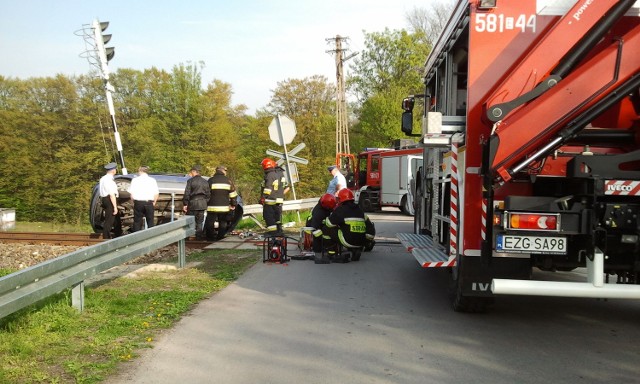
x=75, y=239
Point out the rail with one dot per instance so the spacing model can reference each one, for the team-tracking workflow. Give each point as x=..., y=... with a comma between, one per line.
x=30, y=285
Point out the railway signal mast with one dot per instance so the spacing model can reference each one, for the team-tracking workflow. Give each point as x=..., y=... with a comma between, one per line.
x=99, y=56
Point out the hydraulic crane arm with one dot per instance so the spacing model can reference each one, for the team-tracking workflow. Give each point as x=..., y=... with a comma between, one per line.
x=604, y=78
x=551, y=59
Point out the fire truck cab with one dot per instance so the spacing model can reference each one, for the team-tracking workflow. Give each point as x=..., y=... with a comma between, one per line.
x=385, y=178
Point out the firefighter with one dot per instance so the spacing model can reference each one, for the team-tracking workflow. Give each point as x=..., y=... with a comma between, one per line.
x=222, y=201
x=316, y=224
x=349, y=227
x=195, y=198
x=274, y=186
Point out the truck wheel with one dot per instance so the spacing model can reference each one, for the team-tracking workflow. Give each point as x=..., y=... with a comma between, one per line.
x=459, y=301
x=365, y=203
x=405, y=207
x=417, y=217
x=95, y=211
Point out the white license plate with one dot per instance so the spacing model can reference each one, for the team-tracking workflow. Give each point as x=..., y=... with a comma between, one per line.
x=531, y=244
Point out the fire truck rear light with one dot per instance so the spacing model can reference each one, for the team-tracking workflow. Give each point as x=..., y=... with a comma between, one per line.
x=533, y=221
x=497, y=219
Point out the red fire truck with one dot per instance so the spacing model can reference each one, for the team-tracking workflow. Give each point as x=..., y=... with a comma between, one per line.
x=531, y=140
x=384, y=177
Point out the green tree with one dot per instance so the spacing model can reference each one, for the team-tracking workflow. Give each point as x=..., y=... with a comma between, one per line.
x=49, y=151
x=384, y=73
x=310, y=102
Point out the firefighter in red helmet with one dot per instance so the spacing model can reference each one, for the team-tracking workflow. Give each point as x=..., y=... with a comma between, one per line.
x=315, y=224
x=349, y=226
x=274, y=186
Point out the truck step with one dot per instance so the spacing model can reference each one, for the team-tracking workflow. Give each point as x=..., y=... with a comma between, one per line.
x=426, y=251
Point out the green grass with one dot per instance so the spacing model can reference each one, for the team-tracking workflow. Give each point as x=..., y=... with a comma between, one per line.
x=54, y=343
x=23, y=226
x=5, y=271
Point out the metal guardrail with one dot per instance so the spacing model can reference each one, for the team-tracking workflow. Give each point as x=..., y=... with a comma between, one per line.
x=30, y=285
x=289, y=205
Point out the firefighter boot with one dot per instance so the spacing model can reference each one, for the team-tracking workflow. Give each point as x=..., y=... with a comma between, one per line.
x=321, y=258
x=340, y=257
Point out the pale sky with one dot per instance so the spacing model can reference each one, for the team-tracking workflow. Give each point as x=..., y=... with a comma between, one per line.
x=249, y=44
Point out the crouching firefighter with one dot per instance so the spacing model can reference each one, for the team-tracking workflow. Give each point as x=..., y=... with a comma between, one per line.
x=349, y=230
x=316, y=225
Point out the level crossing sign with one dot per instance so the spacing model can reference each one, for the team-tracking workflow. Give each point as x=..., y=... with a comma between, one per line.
x=289, y=160
x=282, y=130
x=282, y=156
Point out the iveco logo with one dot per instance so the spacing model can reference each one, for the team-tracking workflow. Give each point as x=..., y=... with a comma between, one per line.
x=619, y=187
x=582, y=9
x=480, y=286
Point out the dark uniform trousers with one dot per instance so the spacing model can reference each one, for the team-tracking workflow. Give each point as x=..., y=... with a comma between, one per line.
x=272, y=214
x=109, y=217
x=199, y=202
x=142, y=208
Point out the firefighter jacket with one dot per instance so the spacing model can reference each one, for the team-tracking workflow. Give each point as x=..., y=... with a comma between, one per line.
x=196, y=193
x=354, y=227
x=273, y=186
x=223, y=193
x=315, y=222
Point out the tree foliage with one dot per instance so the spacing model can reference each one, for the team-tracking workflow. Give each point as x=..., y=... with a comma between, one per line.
x=56, y=133
x=310, y=102
x=386, y=72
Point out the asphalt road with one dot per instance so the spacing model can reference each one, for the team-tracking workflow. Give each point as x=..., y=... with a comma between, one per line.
x=386, y=320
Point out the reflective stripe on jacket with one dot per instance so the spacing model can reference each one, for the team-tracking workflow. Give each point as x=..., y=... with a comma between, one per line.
x=223, y=193
x=273, y=186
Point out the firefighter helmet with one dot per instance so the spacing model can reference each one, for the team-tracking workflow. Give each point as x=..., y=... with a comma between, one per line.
x=345, y=194
x=268, y=163
x=328, y=201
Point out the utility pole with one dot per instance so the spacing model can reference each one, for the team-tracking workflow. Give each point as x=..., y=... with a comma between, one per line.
x=342, y=119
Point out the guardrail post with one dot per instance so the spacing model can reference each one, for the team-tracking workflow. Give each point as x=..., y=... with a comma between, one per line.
x=173, y=205
x=182, y=254
x=77, y=296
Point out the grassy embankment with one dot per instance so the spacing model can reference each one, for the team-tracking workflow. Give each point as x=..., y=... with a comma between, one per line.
x=53, y=343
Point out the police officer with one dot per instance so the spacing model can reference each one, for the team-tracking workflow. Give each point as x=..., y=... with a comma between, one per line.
x=349, y=226
x=195, y=198
x=274, y=186
x=338, y=182
x=222, y=201
x=108, y=194
x=144, y=193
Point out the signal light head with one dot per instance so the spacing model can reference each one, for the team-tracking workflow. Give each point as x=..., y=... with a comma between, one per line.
x=110, y=52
